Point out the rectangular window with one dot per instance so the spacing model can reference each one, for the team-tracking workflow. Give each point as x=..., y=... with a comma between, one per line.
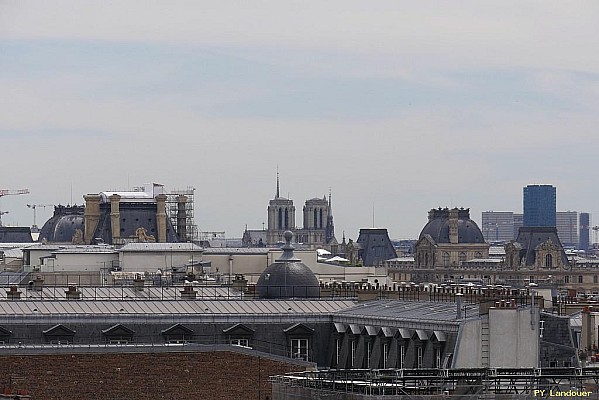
x=353, y=352
x=595, y=279
x=579, y=278
x=437, y=358
x=419, y=358
x=566, y=279
x=299, y=349
x=337, y=351
x=240, y=342
x=368, y=350
x=402, y=356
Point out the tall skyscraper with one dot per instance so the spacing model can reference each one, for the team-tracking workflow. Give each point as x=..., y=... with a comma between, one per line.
x=539, y=205
x=584, y=226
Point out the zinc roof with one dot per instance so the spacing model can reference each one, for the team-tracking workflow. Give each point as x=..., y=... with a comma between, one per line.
x=181, y=307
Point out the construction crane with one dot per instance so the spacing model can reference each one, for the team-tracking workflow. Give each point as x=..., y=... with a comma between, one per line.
x=9, y=192
x=34, y=227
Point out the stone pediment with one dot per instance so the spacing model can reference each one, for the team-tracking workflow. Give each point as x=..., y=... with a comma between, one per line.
x=548, y=245
x=59, y=330
x=238, y=330
x=177, y=329
x=426, y=240
x=298, y=330
x=118, y=330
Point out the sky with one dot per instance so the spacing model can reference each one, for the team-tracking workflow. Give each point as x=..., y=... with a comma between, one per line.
x=395, y=106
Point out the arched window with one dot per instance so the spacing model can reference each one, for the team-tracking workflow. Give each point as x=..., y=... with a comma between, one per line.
x=479, y=254
x=321, y=218
x=462, y=256
x=445, y=259
x=548, y=261
x=286, y=218
x=426, y=260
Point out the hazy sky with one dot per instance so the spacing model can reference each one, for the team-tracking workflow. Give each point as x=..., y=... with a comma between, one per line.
x=400, y=106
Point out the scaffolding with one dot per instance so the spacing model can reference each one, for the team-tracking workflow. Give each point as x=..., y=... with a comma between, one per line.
x=191, y=229
x=474, y=383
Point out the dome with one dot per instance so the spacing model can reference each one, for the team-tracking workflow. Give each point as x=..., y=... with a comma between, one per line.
x=438, y=226
x=287, y=277
x=63, y=224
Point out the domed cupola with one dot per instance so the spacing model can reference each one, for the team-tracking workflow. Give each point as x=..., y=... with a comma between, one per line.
x=287, y=277
x=452, y=226
x=63, y=225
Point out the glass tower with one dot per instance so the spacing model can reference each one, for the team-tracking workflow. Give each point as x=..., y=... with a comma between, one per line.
x=539, y=205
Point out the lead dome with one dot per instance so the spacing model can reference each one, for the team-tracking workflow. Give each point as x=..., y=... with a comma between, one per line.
x=287, y=277
x=438, y=226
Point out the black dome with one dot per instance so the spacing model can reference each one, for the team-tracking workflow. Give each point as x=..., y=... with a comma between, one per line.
x=287, y=277
x=438, y=227
x=63, y=224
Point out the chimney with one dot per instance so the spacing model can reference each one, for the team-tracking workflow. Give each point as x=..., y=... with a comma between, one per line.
x=188, y=293
x=91, y=216
x=13, y=293
x=72, y=293
x=453, y=226
x=161, y=217
x=586, y=331
x=182, y=218
x=115, y=217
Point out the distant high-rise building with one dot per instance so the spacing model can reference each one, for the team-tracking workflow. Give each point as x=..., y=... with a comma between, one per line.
x=498, y=226
x=518, y=223
x=539, y=205
x=567, y=228
x=584, y=224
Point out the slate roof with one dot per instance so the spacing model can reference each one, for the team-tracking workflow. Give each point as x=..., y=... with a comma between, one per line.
x=409, y=310
x=15, y=234
x=182, y=307
x=529, y=237
x=438, y=227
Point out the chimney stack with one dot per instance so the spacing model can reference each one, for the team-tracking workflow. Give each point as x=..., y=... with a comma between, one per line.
x=91, y=216
x=161, y=217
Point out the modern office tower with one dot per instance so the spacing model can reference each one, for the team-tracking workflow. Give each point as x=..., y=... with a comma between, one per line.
x=539, y=205
x=498, y=226
x=584, y=224
x=567, y=228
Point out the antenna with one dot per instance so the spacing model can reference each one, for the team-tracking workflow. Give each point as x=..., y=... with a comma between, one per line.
x=373, y=214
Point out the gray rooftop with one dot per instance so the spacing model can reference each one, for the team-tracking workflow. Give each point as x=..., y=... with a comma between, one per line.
x=421, y=311
x=183, y=307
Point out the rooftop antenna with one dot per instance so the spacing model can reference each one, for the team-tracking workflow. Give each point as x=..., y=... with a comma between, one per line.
x=373, y=214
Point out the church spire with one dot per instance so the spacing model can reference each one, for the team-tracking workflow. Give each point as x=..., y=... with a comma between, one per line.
x=277, y=195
